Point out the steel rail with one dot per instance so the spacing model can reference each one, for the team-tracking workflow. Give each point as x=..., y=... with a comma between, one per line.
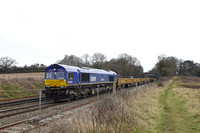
x=17, y=102
x=35, y=119
x=26, y=111
x=20, y=108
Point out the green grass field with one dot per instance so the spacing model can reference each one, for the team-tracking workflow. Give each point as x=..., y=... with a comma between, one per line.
x=175, y=116
x=20, y=85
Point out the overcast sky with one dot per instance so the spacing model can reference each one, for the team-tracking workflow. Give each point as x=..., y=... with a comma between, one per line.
x=43, y=31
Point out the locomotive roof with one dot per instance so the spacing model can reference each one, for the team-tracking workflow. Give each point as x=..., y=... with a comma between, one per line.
x=81, y=69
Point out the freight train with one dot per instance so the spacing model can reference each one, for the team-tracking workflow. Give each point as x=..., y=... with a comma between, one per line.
x=69, y=82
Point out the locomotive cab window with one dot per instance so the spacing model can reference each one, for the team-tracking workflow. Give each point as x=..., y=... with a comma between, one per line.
x=50, y=75
x=70, y=75
x=60, y=75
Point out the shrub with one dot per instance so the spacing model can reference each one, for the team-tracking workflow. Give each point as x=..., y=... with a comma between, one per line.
x=160, y=84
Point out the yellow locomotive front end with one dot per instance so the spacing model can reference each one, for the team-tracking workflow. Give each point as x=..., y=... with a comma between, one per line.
x=55, y=83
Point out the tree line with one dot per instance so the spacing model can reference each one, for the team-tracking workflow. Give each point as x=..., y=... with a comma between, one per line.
x=124, y=65
x=168, y=66
x=8, y=65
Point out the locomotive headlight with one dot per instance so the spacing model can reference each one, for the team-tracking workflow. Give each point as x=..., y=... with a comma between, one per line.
x=62, y=86
x=47, y=86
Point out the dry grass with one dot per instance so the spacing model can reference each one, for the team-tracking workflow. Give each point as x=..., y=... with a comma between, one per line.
x=11, y=76
x=146, y=110
x=124, y=113
x=164, y=79
x=104, y=117
x=190, y=79
x=142, y=112
x=192, y=97
x=190, y=82
x=188, y=90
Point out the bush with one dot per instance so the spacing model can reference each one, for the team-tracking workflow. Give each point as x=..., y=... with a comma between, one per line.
x=125, y=113
x=160, y=84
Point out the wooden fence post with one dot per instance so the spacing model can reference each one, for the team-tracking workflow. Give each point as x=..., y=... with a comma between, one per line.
x=114, y=88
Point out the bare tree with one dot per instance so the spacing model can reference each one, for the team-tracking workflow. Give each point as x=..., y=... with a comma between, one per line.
x=85, y=59
x=71, y=60
x=6, y=63
x=129, y=66
x=125, y=66
x=98, y=59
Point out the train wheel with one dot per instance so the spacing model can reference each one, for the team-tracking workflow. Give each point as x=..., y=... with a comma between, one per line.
x=77, y=97
x=119, y=88
x=52, y=100
x=68, y=98
x=123, y=86
x=84, y=96
x=108, y=89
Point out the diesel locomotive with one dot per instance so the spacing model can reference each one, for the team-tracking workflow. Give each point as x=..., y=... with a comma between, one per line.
x=69, y=82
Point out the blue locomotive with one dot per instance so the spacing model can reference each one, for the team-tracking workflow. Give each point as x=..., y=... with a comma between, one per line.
x=67, y=82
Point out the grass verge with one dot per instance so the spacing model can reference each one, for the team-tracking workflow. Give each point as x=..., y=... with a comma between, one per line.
x=125, y=113
x=175, y=115
x=168, y=109
x=17, y=88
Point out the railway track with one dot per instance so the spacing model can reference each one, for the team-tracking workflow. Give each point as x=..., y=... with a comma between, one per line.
x=12, y=110
x=35, y=119
x=21, y=101
x=20, y=110
x=15, y=108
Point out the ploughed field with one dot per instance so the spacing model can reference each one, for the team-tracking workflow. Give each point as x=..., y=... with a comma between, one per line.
x=20, y=85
